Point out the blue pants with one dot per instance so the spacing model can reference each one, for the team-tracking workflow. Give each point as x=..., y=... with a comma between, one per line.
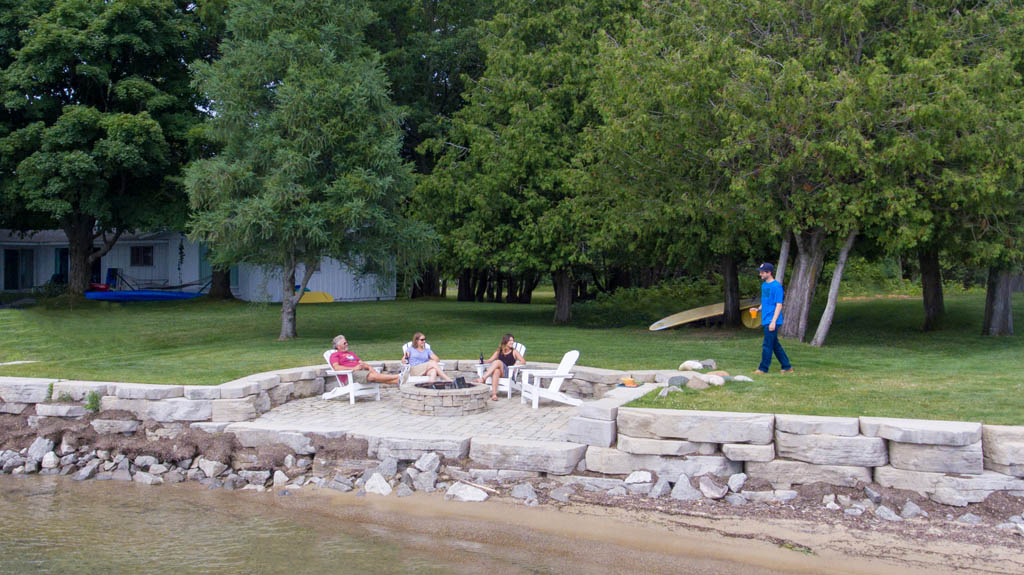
x=771, y=345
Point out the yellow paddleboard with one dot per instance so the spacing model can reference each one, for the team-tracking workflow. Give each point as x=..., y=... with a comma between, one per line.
x=705, y=312
x=316, y=297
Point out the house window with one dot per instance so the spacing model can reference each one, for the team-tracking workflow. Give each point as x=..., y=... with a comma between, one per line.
x=142, y=257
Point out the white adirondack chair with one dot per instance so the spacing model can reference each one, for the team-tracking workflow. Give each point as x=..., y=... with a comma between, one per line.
x=533, y=380
x=405, y=366
x=348, y=386
x=507, y=383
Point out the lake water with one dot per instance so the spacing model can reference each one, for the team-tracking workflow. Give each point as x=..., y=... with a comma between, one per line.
x=54, y=525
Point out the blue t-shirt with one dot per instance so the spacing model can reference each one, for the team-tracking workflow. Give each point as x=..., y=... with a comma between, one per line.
x=418, y=356
x=771, y=296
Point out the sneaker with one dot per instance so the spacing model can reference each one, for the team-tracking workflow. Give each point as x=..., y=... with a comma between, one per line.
x=759, y=372
x=790, y=370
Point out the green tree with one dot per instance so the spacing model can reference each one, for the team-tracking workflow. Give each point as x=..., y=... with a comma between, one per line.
x=431, y=50
x=98, y=110
x=310, y=165
x=509, y=158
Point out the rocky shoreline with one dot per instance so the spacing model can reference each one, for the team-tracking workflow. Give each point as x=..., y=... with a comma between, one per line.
x=156, y=454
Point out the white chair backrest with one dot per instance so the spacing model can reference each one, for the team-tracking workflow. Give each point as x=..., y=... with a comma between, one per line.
x=568, y=361
x=408, y=346
x=564, y=367
x=520, y=348
x=327, y=358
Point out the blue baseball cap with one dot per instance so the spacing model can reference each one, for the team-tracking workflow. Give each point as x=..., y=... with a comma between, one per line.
x=766, y=267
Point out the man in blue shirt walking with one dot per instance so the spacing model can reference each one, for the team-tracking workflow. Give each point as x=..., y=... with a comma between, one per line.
x=772, y=297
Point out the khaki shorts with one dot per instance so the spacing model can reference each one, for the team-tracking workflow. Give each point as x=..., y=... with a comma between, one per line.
x=420, y=369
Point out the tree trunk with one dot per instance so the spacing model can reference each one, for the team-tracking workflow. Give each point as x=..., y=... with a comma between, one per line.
x=780, y=270
x=998, y=303
x=564, y=288
x=931, y=288
x=81, y=255
x=499, y=286
x=288, y=304
x=220, y=285
x=465, y=285
x=290, y=297
x=825, y=323
x=79, y=233
x=481, y=284
x=810, y=253
x=731, y=281
x=514, y=282
x=444, y=288
x=530, y=281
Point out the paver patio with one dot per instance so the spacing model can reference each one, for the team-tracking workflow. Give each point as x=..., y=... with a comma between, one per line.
x=507, y=418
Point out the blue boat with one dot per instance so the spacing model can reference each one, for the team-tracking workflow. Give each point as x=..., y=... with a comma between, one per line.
x=140, y=295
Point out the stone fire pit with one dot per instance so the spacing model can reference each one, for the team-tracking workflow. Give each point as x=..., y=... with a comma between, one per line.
x=419, y=399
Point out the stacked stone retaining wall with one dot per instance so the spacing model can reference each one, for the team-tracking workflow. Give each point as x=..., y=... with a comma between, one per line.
x=951, y=462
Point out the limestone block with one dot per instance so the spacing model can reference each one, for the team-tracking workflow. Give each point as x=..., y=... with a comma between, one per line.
x=114, y=426
x=201, y=391
x=412, y=447
x=616, y=462
x=597, y=375
x=251, y=435
x=591, y=431
x=557, y=457
x=643, y=446
x=923, y=431
x=646, y=375
x=167, y=410
x=147, y=391
x=13, y=408
x=666, y=375
x=79, y=390
x=308, y=387
x=60, y=410
x=282, y=392
x=240, y=388
x=745, y=452
x=948, y=489
x=210, y=426
x=262, y=402
x=606, y=409
x=782, y=473
x=243, y=409
x=700, y=426
x=180, y=409
x=1003, y=447
x=25, y=389
x=937, y=458
x=857, y=450
x=817, y=425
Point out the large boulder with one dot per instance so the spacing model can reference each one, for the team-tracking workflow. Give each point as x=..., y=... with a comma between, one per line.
x=697, y=426
x=782, y=473
x=832, y=449
x=615, y=462
x=966, y=459
x=923, y=431
x=556, y=457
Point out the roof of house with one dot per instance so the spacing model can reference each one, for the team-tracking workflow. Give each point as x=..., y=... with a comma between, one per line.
x=59, y=238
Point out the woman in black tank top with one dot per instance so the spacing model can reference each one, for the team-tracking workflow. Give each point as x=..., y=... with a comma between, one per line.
x=503, y=357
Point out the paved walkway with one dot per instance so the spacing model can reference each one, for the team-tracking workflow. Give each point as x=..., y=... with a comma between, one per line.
x=505, y=418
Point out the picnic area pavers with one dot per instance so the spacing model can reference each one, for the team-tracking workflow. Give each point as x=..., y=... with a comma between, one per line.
x=505, y=418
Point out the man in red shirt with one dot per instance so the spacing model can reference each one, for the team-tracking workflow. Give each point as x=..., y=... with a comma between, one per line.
x=343, y=359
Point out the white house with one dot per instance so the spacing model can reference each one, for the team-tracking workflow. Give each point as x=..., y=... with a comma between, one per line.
x=163, y=260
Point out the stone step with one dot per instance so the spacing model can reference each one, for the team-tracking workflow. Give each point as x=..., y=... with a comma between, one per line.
x=557, y=457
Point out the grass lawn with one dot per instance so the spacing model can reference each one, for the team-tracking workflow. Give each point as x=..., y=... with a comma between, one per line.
x=876, y=362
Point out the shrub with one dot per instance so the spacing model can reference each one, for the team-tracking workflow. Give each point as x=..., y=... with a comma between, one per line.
x=92, y=401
